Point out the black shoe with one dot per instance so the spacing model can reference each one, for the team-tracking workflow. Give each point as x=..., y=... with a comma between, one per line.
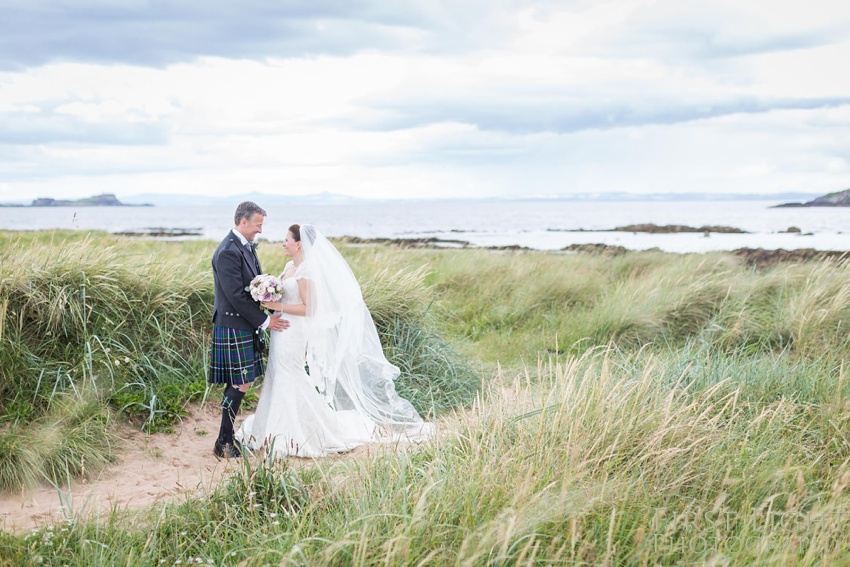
x=226, y=450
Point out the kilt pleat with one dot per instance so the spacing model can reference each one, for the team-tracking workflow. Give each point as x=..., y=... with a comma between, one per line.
x=233, y=359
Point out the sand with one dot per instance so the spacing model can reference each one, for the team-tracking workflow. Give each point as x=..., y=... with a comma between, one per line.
x=149, y=469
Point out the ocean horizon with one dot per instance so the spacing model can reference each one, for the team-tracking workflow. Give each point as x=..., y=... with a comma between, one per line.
x=533, y=223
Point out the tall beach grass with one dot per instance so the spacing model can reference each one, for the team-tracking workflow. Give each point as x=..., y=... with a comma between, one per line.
x=640, y=409
x=507, y=307
x=118, y=326
x=606, y=458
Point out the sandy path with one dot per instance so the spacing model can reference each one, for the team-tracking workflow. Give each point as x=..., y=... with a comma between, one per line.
x=149, y=468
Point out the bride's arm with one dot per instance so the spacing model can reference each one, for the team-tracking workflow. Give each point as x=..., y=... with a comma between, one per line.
x=292, y=308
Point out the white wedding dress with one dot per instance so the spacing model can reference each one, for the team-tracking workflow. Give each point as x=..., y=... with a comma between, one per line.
x=292, y=417
x=349, y=396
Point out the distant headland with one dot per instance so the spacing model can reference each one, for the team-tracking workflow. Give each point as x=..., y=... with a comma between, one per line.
x=105, y=200
x=837, y=199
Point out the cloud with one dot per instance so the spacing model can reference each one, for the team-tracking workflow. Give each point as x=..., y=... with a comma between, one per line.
x=680, y=32
x=38, y=128
x=158, y=33
x=423, y=98
x=529, y=117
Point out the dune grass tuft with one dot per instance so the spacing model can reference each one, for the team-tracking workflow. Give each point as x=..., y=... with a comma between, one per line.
x=72, y=440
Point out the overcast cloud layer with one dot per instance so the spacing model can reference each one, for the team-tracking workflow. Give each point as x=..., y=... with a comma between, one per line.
x=423, y=99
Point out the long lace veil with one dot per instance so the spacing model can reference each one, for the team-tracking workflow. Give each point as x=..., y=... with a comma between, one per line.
x=344, y=354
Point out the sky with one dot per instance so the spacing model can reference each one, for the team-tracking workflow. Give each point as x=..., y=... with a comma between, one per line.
x=423, y=98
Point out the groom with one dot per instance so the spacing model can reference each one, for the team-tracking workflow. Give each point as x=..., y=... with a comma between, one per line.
x=236, y=353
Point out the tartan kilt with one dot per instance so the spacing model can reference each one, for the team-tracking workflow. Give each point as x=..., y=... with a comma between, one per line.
x=233, y=359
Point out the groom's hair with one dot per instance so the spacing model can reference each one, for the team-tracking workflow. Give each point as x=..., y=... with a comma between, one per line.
x=246, y=210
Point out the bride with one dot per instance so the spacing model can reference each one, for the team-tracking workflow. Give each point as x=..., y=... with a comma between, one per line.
x=345, y=396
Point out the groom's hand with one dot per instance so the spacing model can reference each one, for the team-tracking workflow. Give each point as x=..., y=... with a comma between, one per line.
x=277, y=323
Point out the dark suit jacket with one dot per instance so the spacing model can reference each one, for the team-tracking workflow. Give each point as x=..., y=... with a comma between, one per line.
x=233, y=269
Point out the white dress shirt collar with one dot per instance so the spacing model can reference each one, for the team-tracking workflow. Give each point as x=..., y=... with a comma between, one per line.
x=241, y=238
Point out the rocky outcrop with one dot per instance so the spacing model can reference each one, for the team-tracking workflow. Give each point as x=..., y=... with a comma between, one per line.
x=596, y=248
x=837, y=199
x=674, y=228
x=656, y=229
x=161, y=232
x=762, y=258
x=431, y=242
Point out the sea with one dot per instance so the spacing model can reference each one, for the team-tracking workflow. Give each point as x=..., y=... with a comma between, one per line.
x=535, y=224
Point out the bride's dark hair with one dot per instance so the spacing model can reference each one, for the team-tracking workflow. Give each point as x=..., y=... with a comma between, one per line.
x=295, y=229
x=309, y=232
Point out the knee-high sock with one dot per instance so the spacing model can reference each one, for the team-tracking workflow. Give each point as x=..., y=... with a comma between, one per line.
x=229, y=409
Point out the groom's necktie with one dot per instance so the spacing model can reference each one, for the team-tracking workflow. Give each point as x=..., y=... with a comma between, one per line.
x=253, y=252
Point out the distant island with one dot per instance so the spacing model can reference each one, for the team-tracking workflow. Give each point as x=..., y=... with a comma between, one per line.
x=837, y=199
x=105, y=200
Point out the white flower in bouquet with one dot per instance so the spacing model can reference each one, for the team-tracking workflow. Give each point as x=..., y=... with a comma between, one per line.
x=265, y=288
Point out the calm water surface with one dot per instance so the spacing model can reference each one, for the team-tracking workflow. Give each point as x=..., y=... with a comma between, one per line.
x=535, y=224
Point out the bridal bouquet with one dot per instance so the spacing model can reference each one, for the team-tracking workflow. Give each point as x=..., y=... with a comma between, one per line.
x=265, y=288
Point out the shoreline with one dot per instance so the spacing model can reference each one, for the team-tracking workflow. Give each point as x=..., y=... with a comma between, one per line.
x=678, y=227
x=759, y=257
x=674, y=239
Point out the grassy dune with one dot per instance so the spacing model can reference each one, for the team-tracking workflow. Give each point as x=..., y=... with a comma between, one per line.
x=510, y=307
x=641, y=409
x=93, y=327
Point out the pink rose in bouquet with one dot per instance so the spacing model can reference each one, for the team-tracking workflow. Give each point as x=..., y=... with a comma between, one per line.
x=265, y=288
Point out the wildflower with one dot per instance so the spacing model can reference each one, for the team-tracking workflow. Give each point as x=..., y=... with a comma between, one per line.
x=273, y=515
x=275, y=523
x=117, y=362
x=127, y=359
